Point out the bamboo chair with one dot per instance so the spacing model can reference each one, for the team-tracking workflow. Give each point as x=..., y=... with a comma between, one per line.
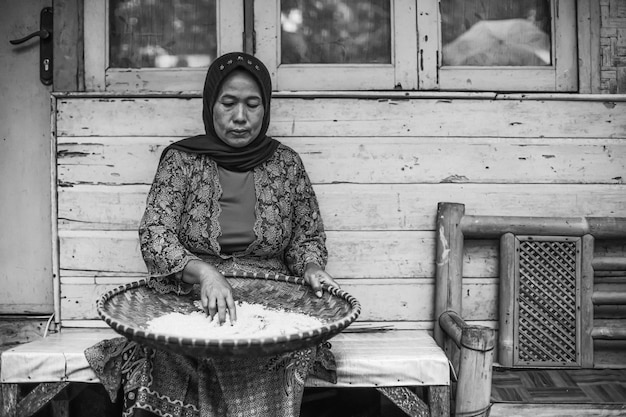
x=546, y=296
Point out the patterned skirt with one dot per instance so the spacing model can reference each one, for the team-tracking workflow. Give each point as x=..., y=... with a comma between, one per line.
x=169, y=384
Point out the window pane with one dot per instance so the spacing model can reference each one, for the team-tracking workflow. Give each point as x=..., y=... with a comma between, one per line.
x=333, y=31
x=496, y=32
x=162, y=34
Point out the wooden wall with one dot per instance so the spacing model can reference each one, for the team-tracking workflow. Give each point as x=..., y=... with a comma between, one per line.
x=379, y=164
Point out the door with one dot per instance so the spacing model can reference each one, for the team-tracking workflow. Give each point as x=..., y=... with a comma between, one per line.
x=25, y=218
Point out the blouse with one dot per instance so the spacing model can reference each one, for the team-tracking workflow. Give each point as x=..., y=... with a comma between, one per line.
x=181, y=220
x=237, y=205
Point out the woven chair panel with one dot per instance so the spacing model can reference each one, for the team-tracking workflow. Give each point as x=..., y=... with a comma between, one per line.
x=546, y=303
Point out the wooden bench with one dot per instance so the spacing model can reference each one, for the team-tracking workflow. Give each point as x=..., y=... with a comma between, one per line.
x=380, y=163
x=555, y=274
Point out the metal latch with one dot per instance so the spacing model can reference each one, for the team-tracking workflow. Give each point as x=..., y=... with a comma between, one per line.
x=45, y=45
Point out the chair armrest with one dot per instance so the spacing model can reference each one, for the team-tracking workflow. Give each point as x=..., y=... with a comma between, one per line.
x=476, y=345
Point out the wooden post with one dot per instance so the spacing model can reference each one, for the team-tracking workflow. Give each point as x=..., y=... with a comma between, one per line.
x=586, y=302
x=473, y=390
x=507, y=299
x=41, y=395
x=476, y=343
x=449, y=264
x=439, y=400
x=8, y=397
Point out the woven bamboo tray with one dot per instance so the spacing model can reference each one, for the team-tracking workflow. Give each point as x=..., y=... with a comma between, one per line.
x=129, y=308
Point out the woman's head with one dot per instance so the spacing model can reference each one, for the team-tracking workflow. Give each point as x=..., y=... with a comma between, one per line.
x=238, y=109
x=236, y=100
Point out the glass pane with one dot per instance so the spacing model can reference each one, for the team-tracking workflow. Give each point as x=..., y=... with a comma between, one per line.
x=496, y=32
x=162, y=34
x=335, y=32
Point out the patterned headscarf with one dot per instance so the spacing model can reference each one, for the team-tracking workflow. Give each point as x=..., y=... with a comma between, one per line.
x=234, y=159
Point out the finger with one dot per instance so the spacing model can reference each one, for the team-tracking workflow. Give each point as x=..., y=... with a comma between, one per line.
x=204, y=300
x=212, y=307
x=221, y=309
x=314, y=282
x=329, y=281
x=232, y=309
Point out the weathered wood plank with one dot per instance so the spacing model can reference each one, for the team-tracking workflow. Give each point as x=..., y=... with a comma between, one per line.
x=382, y=300
x=366, y=160
x=8, y=399
x=337, y=117
x=364, y=206
x=39, y=397
x=351, y=254
x=406, y=400
x=21, y=329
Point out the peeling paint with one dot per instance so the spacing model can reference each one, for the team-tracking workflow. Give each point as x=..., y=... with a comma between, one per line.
x=455, y=178
x=445, y=253
x=71, y=154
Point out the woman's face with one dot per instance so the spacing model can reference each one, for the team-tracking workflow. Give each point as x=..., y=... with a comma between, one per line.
x=238, y=111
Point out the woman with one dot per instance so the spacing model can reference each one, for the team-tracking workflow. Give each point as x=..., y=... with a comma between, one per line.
x=232, y=199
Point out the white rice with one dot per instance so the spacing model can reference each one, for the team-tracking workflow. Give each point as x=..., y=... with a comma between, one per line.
x=253, y=321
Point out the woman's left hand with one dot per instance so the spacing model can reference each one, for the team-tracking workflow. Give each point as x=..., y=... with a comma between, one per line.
x=315, y=276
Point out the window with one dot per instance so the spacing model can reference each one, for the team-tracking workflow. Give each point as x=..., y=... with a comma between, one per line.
x=338, y=45
x=153, y=45
x=472, y=45
x=358, y=45
x=511, y=45
x=160, y=34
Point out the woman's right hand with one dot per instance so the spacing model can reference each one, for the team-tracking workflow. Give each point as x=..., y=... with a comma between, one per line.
x=216, y=294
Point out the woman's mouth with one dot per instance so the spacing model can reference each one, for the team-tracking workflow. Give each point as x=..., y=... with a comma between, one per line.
x=239, y=133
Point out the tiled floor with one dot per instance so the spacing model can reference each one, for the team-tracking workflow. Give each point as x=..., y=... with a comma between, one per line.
x=586, y=386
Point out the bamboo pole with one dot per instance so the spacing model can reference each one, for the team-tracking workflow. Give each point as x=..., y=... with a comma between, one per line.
x=449, y=264
x=609, y=333
x=609, y=263
x=494, y=226
x=476, y=343
x=507, y=299
x=609, y=298
x=586, y=302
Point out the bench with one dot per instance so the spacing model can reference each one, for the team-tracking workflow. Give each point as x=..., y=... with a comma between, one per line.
x=385, y=361
x=379, y=163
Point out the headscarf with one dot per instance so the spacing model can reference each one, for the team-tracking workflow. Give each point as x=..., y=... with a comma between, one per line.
x=234, y=159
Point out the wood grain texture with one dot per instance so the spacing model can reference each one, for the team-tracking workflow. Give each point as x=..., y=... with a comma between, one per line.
x=361, y=207
x=336, y=117
x=371, y=160
x=378, y=173
x=367, y=254
x=382, y=300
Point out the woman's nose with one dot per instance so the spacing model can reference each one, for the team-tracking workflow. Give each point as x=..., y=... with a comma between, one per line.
x=240, y=114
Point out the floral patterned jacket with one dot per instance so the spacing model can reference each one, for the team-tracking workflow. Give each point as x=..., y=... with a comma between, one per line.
x=180, y=222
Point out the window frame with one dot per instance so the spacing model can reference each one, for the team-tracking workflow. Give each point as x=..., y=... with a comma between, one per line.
x=399, y=74
x=99, y=77
x=561, y=76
